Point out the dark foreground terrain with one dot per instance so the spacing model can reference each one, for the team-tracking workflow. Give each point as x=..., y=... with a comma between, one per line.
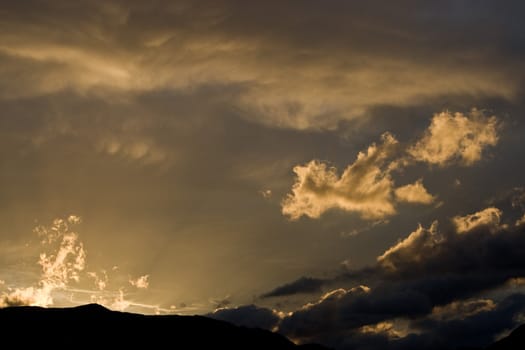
x=95, y=326
x=515, y=341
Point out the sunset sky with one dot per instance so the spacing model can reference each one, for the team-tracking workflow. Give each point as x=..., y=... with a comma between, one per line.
x=344, y=172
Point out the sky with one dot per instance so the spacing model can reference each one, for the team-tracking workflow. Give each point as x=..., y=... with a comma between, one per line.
x=342, y=172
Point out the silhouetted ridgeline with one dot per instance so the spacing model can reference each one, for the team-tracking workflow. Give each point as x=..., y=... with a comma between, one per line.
x=515, y=341
x=94, y=325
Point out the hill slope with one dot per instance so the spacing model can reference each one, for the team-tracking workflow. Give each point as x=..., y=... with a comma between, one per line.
x=94, y=325
x=515, y=341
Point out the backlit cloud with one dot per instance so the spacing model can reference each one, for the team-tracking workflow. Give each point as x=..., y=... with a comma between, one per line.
x=63, y=263
x=60, y=267
x=248, y=316
x=421, y=290
x=364, y=187
x=411, y=246
x=462, y=309
x=140, y=282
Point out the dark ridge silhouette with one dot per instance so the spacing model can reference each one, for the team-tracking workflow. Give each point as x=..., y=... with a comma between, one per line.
x=95, y=326
x=515, y=341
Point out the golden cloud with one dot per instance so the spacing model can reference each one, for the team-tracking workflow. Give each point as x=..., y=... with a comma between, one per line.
x=414, y=193
x=456, y=137
x=364, y=187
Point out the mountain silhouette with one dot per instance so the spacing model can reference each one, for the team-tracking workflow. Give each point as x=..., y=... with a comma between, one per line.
x=93, y=325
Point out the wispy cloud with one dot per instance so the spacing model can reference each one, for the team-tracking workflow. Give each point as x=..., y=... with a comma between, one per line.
x=140, y=282
x=63, y=271
x=63, y=265
x=302, y=87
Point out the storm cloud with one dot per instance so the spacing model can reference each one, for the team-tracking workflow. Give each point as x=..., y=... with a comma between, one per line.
x=428, y=283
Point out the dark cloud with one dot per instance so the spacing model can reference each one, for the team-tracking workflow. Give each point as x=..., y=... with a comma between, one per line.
x=418, y=279
x=477, y=330
x=248, y=316
x=301, y=285
x=349, y=309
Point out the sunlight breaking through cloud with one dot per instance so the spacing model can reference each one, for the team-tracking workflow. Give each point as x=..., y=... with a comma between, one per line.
x=63, y=270
x=62, y=265
x=140, y=282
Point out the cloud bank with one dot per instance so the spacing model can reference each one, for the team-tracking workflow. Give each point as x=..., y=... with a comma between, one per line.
x=421, y=291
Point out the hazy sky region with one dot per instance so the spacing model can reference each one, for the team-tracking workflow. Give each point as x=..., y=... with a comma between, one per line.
x=344, y=172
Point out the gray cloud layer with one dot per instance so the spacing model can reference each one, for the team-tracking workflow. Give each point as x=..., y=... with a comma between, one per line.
x=275, y=53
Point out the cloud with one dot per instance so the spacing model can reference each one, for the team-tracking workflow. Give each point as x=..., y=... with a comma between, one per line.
x=387, y=328
x=353, y=308
x=220, y=303
x=489, y=217
x=100, y=280
x=59, y=268
x=456, y=137
x=520, y=221
x=248, y=316
x=364, y=187
x=315, y=79
x=302, y=285
x=140, y=282
x=414, y=193
x=461, y=309
x=421, y=289
x=120, y=303
x=410, y=248
x=139, y=150
x=450, y=253
x=476, y=330
x=63, y=263
x=266, y=194
x=367, y=186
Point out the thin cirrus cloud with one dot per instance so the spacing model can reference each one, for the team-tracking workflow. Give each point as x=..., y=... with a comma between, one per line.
x=63, y=272
x=367, y=187
x=59, y=268
x=140, y=282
